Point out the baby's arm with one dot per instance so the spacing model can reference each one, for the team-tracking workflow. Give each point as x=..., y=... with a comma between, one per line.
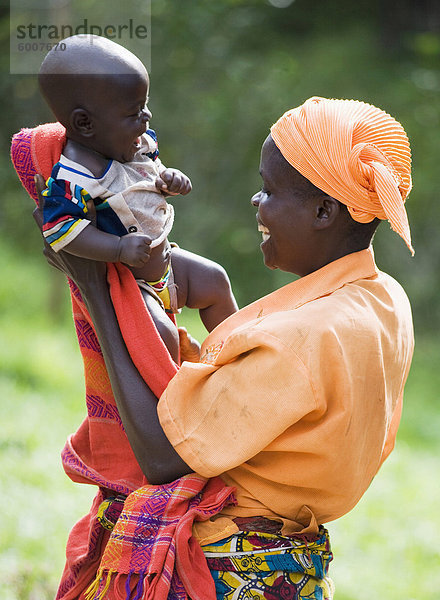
x=205, y=285
x=68, y=212
x=132, y=249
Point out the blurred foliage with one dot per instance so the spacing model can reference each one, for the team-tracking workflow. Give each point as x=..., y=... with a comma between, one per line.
x=221, y=73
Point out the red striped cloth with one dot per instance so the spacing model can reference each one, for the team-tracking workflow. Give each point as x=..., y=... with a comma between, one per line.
x=146, y=347
x=151, y=554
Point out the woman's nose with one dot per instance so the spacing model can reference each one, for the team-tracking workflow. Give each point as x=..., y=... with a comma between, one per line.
x=255, y=200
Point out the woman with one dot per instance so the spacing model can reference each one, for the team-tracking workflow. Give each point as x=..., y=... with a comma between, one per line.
x=297, y=397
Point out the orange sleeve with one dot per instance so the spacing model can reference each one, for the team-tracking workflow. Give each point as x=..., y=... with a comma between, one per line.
x=218, y=417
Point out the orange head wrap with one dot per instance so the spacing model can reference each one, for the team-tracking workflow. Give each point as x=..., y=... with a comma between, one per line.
x=355, y=153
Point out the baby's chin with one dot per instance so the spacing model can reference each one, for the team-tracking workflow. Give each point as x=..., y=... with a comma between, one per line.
x=126, y=157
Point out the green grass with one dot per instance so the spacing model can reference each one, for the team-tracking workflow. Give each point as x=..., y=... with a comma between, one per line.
x=384, y=549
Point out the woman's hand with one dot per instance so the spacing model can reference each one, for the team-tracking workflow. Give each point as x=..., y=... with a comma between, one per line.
x=189, y=346
x=83, y=272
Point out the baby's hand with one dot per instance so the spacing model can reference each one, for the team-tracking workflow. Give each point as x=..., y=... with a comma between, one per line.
x=189, y=346
x=134, y=249
x=172, y=182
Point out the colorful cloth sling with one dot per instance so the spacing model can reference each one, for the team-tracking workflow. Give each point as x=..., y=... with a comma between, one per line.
x=151, y=553
x=99, y=452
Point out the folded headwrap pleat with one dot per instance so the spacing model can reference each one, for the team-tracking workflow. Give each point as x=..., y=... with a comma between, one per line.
x=353, y=152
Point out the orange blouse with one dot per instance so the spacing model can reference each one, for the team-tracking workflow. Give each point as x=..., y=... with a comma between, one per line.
x=298, y=396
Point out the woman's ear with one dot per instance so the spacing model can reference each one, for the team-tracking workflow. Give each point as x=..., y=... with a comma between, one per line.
x=327, y=211
x=81, y=122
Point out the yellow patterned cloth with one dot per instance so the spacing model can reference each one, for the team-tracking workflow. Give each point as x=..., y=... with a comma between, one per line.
x=265, y=566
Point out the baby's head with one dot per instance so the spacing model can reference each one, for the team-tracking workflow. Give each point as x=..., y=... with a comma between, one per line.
x=98, y=90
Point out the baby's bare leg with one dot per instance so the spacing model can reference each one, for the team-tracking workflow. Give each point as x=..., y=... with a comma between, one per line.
x=203, y=284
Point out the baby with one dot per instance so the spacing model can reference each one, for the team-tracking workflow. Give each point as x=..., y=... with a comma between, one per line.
x=110, y=173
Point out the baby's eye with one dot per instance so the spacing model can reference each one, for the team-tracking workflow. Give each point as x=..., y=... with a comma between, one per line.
x=265, y=192
x=139, y=112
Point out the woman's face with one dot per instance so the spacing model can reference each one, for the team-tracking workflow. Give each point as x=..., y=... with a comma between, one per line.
x=285, y=214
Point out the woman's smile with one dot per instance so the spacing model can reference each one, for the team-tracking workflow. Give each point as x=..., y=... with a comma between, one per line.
x=264, y=231
x=284, y=219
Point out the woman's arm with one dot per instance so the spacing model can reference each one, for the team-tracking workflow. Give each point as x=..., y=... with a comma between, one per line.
x=136, y=403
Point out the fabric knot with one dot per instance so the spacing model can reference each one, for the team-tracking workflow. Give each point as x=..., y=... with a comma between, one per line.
x=362, y=163
x=390, y=198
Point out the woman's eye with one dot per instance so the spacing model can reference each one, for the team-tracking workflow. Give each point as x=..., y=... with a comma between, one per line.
x=265, y=192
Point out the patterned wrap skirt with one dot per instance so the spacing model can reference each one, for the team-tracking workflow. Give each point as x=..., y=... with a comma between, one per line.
x=252, y=565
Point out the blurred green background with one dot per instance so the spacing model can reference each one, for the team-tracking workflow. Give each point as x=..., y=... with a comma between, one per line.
x=221, y=73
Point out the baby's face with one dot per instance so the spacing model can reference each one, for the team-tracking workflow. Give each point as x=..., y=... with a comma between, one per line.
x=122, y=117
